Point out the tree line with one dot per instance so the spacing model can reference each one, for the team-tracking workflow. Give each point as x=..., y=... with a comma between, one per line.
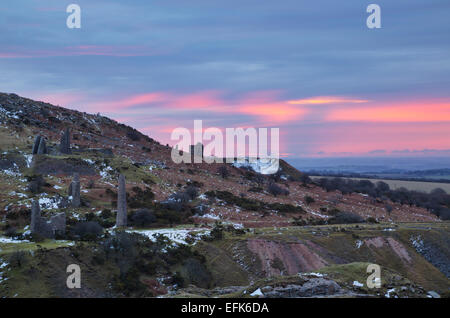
x=437, y=201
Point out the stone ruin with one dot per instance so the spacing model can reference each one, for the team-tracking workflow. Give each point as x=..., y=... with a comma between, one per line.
x=39, y=146
x=64, y=146
x=47, y=228
x=121, y=219
x=37, y=140
x=74, y=190
x=196, y=152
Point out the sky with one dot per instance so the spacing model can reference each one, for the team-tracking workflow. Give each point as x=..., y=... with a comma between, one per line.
x=310, y=68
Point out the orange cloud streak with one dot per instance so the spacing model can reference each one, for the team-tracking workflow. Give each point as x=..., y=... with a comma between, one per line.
x=274, y=112
x=262, y=105
x=365, y=137
x=416, y=112
x=327, y=100
x=142, y=99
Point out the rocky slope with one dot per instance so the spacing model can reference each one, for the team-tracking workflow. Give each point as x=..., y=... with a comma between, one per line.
x=268, y=235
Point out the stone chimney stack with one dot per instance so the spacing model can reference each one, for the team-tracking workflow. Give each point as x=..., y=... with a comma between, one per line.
x=64, y=146
x=42, y=149
x=35, y=216
x=76, y=197
x=197, y=153
x=121, y=219
x=37, y=141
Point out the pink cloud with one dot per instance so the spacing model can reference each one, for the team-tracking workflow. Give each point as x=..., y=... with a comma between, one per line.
x=415, y=111
x=361, y=138
x=357, y=128
x=322, y=100
x=207, y=99
x=264, y=106
x=149, y=98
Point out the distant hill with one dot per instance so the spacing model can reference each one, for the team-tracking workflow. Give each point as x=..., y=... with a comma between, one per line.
x=192, y=229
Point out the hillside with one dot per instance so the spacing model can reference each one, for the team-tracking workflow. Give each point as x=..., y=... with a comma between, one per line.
x=238, y=228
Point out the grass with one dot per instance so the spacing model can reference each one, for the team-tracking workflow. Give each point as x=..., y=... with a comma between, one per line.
x=338, y=246
x=8, y=248
x=334, y=243
x=224, y=270
x=410, y=185
x=10, y=140
x=44, y=274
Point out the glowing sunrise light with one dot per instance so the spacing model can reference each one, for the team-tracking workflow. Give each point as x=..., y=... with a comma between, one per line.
x=327, y=100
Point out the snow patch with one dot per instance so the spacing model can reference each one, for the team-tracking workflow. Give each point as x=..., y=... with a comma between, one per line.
x=417, y=242
x=7, y=240
x=315, y=274
x=257, y=292
x=29, y=160
x=89, y=161
x=175, y=235
x=210, y=216
x=357, y=284
x=105, y=172
x=49, y=203
x=388, y=293
x=12, y=172
x=262, y=166
x=18, y=194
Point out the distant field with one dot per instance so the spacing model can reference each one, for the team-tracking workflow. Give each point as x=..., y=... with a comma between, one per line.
x=410, y=185
x=425, y=176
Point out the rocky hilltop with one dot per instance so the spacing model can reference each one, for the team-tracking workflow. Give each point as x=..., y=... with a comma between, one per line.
x=189, y=229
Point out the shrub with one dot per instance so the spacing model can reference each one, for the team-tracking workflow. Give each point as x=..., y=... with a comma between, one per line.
x=259, y=179
x=195, y=183
x=178, y=280
x=309, y=200
x=305, y=179
x=106, y=214
x=90, y=216
x=256, y=189
x=194, y=272
x=382, y=187
x=111, y=193
x=11, y=232
x=388, y=208
x=285, y=208
x=18, y=258
x=123, y=248
x=345, y=218
x=35, y=184
x=223, y=172
x=143, y=217
x=371, y=219
x=88, y=231
x=141, y=199
x=334, y=211
x=91, y=184
x=444, y=214
x=180, y=197
x=216, y=233
x=200, y=209
x=275, y=190
x=133, y=134
x=191, y=192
